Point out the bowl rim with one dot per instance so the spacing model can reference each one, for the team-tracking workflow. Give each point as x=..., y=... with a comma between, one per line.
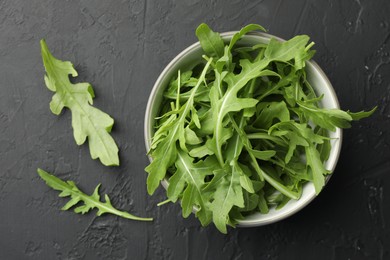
x=335, y=151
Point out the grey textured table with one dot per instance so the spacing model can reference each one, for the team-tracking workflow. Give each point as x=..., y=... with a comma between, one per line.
x=121, y=47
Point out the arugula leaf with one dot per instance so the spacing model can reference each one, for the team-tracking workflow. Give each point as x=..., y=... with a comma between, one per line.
x=317, y=167
x=92, y=201
x=288, y=50
x=211, y=42
x=325, y=118
x=263, y=205
x=227, y=192
x=87, y=121
x=188, y=180
x=234, y=150
x=245, y=30
x=251, y=201
x=361, y=114
x=268, y=111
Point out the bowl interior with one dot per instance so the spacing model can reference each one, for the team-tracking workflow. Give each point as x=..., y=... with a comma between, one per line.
x=316, y=77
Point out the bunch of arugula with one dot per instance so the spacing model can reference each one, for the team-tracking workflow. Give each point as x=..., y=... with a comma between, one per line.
x=245, y=132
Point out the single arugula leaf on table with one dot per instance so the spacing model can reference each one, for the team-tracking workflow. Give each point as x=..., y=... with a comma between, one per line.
x=87, y=121
x=69, y=189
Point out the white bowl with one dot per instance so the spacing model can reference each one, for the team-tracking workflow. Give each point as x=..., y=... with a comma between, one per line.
x=316, y=77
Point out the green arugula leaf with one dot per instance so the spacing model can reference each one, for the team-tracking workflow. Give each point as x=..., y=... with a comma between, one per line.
x=245, y=181
x=288, y=50
x=361, y=114
x=245, y=30
x=251, y=201
x=211, y=42
x=318, y=170
x=227, y=58
x=268, y=111
x=87, y=121
x=325, y=118
x=69, y=189
x=188, y=180
x=227, y=193
x=234, y=150
x=263, y=205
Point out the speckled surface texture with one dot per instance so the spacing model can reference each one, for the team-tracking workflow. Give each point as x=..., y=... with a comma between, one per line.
x=121, y=47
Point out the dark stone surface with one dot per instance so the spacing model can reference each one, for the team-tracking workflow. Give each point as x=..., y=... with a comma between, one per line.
x=121, y=47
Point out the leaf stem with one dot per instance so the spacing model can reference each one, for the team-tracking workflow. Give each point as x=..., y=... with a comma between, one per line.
x=164, y=202
x=178, y=90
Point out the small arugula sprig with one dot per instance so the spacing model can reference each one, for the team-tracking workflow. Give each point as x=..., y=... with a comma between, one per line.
x=92, y=201
x=87, y=121
x=242, y=131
